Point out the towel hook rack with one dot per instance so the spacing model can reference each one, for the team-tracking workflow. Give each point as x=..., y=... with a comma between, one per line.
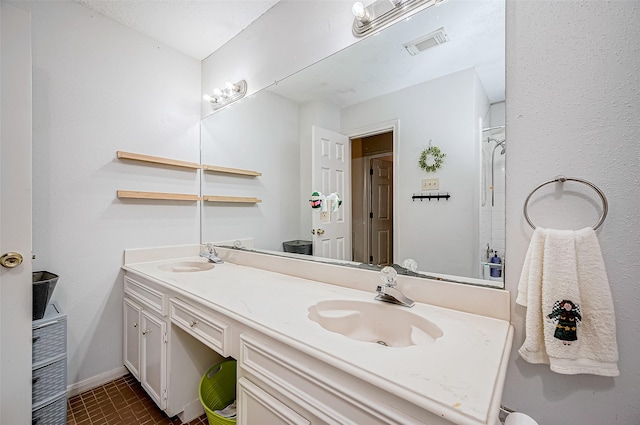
x=562, y=179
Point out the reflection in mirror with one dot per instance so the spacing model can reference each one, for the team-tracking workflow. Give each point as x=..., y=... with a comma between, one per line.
x=356, y=124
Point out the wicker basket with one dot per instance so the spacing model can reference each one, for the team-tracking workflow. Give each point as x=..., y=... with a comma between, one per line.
x=218, y=390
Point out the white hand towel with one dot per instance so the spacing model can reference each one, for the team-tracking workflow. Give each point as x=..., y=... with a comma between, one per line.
x=530, y=294
x=570, y=320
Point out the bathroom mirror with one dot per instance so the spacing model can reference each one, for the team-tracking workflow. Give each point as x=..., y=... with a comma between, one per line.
x=434, y=80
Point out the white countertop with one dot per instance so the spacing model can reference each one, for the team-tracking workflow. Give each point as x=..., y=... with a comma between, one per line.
x=459, y=377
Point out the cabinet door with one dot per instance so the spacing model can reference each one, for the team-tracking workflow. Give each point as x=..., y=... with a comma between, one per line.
x=131, y=348
x=259, y=407
x=153, y=357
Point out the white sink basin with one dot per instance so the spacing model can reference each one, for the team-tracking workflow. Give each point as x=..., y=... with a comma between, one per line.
x=186, y=266
x=375, y=322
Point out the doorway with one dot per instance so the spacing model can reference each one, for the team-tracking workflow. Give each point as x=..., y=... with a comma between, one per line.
x=372, y=194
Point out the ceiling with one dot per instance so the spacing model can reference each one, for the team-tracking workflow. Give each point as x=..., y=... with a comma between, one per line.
x=379, y=65
x=194, y=27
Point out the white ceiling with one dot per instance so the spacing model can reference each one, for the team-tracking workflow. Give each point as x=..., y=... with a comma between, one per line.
x=194, y=27
x=199, y=27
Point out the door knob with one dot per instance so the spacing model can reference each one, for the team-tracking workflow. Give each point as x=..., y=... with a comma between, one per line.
x=10, y=259
x=320, y=232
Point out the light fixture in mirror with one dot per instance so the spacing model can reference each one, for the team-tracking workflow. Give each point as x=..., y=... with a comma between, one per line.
x=446, y=94
x=223, y=97
x=382, y=13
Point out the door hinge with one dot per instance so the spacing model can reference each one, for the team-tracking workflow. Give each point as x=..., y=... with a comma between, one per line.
x=371, y=171
x=371, y=259
x=165, y=339
x=164, y=394
x=370, y=215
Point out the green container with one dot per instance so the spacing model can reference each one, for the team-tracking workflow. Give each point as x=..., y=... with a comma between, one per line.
x=218, y=390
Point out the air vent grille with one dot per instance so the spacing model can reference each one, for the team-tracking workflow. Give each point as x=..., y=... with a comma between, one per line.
x=425, y=42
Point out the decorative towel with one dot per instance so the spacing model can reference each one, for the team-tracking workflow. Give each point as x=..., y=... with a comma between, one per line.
x=570, y=321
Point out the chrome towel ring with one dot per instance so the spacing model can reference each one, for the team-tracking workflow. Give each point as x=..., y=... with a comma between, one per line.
x=562, y=179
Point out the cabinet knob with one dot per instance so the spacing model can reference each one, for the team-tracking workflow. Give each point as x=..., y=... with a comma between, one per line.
x=193, y=323
x=135, y=325
x=146, y=331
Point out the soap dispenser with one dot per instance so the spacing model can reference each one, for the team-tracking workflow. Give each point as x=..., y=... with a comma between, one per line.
x=496, y=271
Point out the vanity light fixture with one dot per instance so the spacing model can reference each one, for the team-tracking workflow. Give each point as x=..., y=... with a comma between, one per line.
x=223, y=97
x=384, y=12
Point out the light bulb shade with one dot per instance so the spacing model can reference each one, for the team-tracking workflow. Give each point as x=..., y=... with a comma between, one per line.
x=360, y=12
x=233, y=88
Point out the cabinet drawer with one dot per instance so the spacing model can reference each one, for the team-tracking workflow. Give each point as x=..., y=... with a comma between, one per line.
x=48, y=381
x=311, y=386
x=49, y=340
x=147, y=296
x=54, y=413
x=206, y=327
x=258, y=406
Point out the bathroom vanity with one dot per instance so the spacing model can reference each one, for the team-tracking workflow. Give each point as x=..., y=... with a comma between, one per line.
x=297, y=332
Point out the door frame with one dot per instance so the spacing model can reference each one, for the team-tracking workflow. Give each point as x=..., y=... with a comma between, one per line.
x=392, y=126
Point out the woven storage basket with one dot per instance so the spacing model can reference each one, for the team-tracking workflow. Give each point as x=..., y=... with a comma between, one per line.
x=218, y=390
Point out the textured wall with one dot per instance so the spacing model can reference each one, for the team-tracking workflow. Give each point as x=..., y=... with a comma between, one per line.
x=99, y=87
x=573, y=103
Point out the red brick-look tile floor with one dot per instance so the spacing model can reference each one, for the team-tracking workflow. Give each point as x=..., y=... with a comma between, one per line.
x=119, y=402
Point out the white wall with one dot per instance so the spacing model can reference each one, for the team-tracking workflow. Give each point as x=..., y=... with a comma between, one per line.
x=444, y=111
x=572, y=102
x=268, y=143
x=99, y=87
x=573, y=72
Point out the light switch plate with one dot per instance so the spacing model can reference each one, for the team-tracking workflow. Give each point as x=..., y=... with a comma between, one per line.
x=325, y=217
x=430, y=184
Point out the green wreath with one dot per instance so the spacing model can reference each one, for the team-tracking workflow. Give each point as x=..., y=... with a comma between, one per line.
x=431, y=159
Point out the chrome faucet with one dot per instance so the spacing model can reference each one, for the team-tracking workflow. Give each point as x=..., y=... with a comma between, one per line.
x=389, y=291
x=212, y=255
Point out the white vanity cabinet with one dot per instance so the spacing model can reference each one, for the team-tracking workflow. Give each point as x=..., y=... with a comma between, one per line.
x=291, y=372
x=168, y=361
x=146, y=338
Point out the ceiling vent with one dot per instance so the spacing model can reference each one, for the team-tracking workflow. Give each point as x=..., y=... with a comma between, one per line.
x=425, y=42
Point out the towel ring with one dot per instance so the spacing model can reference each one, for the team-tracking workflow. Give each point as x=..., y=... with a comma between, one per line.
x=562, y=179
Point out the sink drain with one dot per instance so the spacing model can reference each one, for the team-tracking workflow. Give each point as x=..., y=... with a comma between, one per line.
x=382, y=343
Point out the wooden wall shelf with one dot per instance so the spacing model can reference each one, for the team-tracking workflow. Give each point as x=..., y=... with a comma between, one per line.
x=227, y=170
x=158, y=160
x=131, y=194
x=239, y=199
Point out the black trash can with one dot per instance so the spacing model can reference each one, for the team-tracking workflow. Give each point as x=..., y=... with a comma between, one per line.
x=43, y=285
x=298, y=246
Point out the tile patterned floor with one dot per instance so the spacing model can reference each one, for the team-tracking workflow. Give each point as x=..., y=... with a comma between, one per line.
x=119, y=402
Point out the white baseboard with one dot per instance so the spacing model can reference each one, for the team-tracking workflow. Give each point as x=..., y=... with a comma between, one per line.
x=96, y=381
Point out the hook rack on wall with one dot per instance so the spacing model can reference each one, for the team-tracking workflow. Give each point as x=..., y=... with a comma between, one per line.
x=439, y=196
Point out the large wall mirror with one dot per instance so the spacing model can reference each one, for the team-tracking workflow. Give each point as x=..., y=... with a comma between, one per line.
x=356, y=124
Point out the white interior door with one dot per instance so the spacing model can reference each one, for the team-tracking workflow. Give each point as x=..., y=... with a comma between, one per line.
x=15, y=215
x=331, y=166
